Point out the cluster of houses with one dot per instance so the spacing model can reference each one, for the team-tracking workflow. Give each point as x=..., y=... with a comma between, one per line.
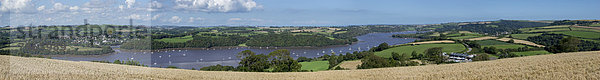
x=459, y=57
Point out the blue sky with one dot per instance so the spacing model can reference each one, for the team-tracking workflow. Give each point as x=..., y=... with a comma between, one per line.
x=287, y=12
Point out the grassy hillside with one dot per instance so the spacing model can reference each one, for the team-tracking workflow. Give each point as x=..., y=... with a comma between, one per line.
x=498, y=44
x=582, y=34
x=176, y=39
x=580, y=65
x=420, y=49
x=530, y=53
x=315, y=65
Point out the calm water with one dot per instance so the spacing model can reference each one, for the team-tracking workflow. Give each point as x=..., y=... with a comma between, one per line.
x=197, y=58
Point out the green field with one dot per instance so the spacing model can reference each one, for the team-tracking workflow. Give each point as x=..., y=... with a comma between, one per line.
x=595, y=25
x=557, y=29
x=11, y=48
x=498, y=44
x=466, y=34
x=177, y=39
x=559, y=26
x=529, y=53
x=582, y=34
x=315, y=65
x=524, y=36
x=420, y=49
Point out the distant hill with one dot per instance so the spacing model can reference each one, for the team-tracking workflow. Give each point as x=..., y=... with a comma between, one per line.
x=579, y=65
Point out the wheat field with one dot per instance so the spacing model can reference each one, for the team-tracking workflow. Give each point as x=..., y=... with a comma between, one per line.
x=521, y=42
x=579, y=65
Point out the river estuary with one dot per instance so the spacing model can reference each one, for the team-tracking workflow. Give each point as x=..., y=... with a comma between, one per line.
x=202, y=57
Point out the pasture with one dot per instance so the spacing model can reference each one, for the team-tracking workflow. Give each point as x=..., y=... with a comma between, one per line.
x=498, y=44
x=176, y=39
x=420, y=49
x=581, y=34
x=315, y=65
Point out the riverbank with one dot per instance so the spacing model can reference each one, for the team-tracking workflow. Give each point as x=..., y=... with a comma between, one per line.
x=578, y=65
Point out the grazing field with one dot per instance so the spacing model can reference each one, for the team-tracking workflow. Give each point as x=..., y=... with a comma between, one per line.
x=177, y=39
x=530, y=53
x=498, y=44
x=430, y=42
x=525, y=36
x=315, y=65
x=565, y=66
x=352, y=65
x=420, y=49
x=582, y=34
x=595, y=25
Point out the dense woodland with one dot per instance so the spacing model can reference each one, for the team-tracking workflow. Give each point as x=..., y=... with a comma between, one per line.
x=575, y=22
x=278, y=61
x=234, y=36
x=563, y=43
x=284, y=40
x=4, y=41
x=494, y=28
x=59, y=46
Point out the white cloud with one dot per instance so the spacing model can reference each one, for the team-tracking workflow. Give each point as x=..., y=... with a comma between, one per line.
x=175, y=19
x=74, y=8
x=217, y=5
x=41, y=8
x=155, y=6
x=234, y=19
x=60, y=7
x=155, y=17
x=135, y=16
x=17, y=6
x=129, y=3
x=49, y=19
x=98, y=3
x=192, y=19
x=121, y=7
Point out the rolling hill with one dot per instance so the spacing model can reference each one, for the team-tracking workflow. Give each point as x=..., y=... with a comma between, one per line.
x=578, y=65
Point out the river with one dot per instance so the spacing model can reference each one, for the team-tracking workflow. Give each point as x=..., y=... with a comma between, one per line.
x=197, y=58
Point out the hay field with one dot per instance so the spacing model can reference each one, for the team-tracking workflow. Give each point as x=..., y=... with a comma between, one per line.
x=579, y=66
x=408, y=49
x=521, y=42
x=352, y=65
x=482, y=38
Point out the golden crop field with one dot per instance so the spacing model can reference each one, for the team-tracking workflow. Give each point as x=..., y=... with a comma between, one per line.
x=578, y=66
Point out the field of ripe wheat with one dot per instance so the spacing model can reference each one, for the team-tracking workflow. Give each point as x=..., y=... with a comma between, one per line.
x=579, y=65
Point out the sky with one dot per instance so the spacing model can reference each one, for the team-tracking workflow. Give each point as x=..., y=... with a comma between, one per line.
x=287, y=12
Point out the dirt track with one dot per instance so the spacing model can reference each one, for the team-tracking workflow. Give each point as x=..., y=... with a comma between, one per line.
x=582, y=65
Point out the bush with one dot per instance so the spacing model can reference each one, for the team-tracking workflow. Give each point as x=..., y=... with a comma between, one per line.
x=481, y=57
x=172, y=67
x=218, y=67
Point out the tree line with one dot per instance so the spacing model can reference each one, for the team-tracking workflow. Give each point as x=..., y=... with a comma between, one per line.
x=557, y=43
